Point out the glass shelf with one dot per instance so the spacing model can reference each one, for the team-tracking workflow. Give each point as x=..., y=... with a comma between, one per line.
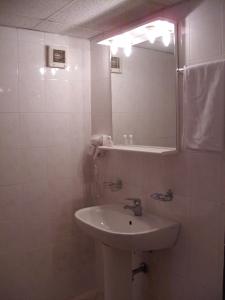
x=144, y=149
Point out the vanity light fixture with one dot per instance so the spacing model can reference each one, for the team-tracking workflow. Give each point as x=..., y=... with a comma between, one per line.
x=158, y=29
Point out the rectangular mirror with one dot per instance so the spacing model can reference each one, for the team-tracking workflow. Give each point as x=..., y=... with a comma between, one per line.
x=144, y=86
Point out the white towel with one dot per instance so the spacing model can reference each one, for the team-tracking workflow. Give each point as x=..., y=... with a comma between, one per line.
x=203, y=109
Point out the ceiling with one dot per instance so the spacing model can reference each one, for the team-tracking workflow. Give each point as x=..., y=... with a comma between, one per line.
x=78, y=18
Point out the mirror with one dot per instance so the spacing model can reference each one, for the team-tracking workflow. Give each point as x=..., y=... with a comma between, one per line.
x=143, y=83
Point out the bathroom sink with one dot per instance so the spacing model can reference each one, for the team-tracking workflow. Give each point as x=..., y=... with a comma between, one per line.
x=119, y=228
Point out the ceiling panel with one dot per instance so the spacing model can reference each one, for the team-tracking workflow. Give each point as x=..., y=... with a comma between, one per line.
x=17, y=21
x=81, y=18
x=38, y=9
x=123, y=15
x=81, y=11
x=75, y=31
x=82, y=32
x=49, y=26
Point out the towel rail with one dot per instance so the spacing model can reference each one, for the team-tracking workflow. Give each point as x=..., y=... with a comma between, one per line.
x=180, y=70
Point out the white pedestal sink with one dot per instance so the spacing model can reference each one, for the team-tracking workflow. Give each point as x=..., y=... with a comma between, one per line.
x=121, y=233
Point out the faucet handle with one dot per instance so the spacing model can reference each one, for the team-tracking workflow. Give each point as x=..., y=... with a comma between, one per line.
x=136, y=201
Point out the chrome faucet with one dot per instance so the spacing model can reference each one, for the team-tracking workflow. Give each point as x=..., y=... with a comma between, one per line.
x=136, y=207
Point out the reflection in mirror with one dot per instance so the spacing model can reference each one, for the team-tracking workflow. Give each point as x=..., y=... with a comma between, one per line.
x=143, y=82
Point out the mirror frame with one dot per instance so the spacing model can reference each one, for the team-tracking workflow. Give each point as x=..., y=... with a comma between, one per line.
x=147, y=148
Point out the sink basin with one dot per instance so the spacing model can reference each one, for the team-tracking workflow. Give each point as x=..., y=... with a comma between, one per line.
x=116, y=227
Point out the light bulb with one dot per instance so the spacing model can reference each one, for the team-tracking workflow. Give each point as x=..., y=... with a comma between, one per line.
x=113, y=49
x=166, y=38
x=151, y=36
x=127, y=50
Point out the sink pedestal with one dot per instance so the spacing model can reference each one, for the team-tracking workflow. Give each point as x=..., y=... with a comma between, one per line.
x=113, y=225
x=117, y=274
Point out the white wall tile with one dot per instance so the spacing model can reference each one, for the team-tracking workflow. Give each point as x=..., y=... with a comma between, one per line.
x=42, y=140
x=205, y=227
x=59, y=128
x=8, y=94
x=37, y=265
x=87, y=96
x=101, y=112
x=11, y=237
x=59, y=162
x=31, y=36
x=9, y=76
x=77, y=96
x=8, y=33
x=58, y=96
x=11, y=166
x=100, y=59
x=173, y=168
x=10, y=204
x=56, y=39
x=76, y=124
x=35, y=163
x=30, y=57
x=205, y=169
x=205, y=21
x=35, y=204
x=12, y=275
x=74, y=42
x=31, y=92
x=10, y=133
x=35, y=234
x=75, y=59
x=57, y=74
x=35, y=130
